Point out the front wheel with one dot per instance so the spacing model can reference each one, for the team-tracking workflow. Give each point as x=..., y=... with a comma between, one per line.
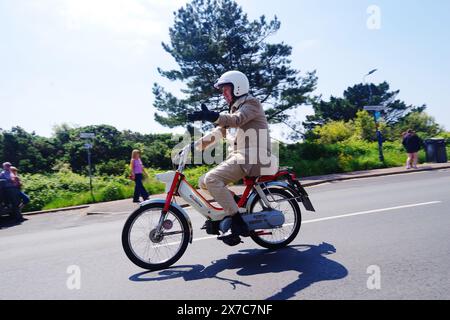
x=150, y=249
x=283, y=201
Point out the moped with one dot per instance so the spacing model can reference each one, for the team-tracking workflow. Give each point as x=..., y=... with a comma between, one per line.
x=156, y=235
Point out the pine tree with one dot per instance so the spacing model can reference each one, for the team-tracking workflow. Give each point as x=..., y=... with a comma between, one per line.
x=210, y=37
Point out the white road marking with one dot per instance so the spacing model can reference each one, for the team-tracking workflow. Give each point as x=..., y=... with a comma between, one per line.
x=205, y=238
x=338, y=217
x=373, y=211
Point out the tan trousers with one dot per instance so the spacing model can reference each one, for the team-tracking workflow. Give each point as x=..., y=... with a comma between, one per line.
x=216, y=181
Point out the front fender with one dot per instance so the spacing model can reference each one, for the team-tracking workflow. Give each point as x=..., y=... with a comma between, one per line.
x=177, y=207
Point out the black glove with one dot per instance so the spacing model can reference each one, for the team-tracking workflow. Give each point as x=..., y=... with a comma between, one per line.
x=204, y=115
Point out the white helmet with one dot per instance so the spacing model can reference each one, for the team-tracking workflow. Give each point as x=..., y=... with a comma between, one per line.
x=237, y=79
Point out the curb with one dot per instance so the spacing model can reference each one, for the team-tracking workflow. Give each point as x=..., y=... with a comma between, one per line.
x=34, y=213
x=117, y=213
x=374, y=175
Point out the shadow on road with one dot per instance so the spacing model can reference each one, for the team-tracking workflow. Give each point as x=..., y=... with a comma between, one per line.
x=7, y=222
x=309, y=261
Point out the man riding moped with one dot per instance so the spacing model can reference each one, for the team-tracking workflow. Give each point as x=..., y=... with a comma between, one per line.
x=157, y=233
x=250, y=141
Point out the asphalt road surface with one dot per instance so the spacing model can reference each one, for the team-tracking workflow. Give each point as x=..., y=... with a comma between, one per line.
x=377, y=238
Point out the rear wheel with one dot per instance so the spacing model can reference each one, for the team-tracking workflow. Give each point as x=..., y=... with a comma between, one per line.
x=283, y=201
x=147, y=248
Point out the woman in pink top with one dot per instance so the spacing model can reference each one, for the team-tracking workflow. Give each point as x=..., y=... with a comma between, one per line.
x=137, y=172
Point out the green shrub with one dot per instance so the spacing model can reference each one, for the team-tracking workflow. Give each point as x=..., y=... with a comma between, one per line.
x=309, y=159
x=112, y=191
x=334, y=131
x=193, y=174
x=111, y=168
x=152, y=185
x=364, y=126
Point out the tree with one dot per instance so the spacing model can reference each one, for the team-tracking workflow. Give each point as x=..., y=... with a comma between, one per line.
x=420, y=122
x=355, y=99
x=108, y=144
x=27, y=151
x=210, y=37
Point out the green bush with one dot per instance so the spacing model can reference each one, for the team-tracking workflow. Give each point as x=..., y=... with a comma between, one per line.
x=111, y=168
x=112, y=191
x=333, y=132
x=152, y=185
x=194, y=174
x=309, y=159
x=364, y=126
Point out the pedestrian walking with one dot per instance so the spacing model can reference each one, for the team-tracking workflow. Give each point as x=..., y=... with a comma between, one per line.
x=137, y=174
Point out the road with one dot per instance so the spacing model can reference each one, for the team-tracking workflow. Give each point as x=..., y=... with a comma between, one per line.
x=393, y=229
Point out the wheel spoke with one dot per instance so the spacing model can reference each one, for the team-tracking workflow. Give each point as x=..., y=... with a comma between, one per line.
x=280, y=235
x=144, y=243
x=166, y=234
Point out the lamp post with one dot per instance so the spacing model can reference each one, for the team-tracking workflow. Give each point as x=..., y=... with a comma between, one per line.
x=376, y=115
x=370, y=87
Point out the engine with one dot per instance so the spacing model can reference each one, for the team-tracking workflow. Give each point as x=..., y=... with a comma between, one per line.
x=258, y=221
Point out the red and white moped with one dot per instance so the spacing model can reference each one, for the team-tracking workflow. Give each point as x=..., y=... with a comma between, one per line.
x=156, y=235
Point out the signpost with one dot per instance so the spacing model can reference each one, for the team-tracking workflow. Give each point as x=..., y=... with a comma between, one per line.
x=87, y=135
x=374, y=108
x=377, y=115
x=88, y=147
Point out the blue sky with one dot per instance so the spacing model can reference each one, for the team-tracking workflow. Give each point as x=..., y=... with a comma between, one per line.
x=94, y=61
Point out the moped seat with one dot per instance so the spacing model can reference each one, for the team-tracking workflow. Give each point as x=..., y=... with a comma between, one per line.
x=275, y=177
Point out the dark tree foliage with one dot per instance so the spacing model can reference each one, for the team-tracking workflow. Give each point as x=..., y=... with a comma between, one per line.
x=111, y=150
x=29, y=152
x=210, y=37
x=356, y=98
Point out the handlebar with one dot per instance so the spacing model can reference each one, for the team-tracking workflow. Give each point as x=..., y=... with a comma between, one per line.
x=187, y=148
x=184, y=153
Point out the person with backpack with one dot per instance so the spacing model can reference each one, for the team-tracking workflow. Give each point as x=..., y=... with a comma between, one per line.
x=412, y=144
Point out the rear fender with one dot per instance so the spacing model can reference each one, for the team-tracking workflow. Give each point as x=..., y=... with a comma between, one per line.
x=301, y=195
